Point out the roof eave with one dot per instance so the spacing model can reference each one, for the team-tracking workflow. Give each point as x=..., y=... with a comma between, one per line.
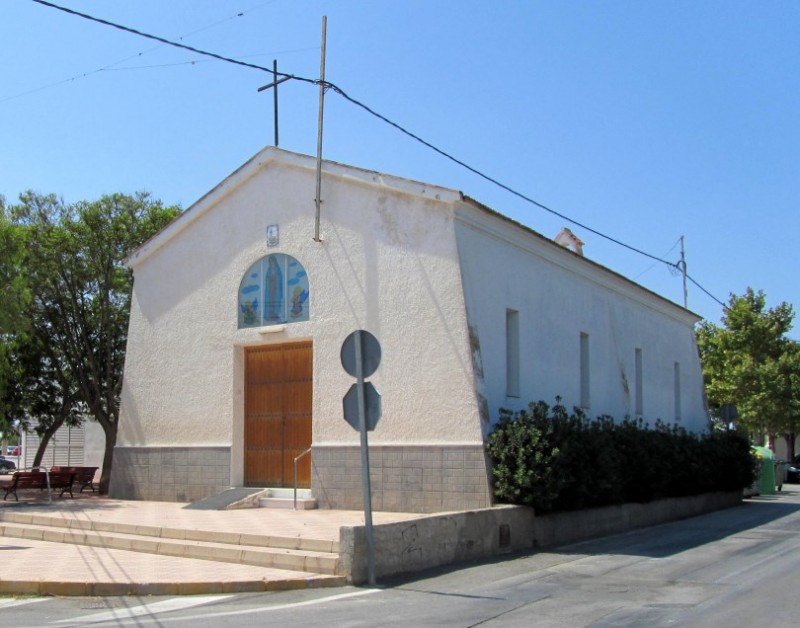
x=582, y=258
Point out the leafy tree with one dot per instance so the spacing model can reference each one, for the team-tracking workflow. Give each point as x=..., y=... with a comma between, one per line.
x=750, y=361
x=788, y=396
x=14, y=299
x=41, y=388
x=80, y=301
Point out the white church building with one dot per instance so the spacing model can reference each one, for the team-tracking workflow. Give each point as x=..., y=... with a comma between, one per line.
x=239, y=313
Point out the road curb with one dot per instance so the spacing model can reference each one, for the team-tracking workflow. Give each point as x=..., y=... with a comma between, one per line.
x=111, y=589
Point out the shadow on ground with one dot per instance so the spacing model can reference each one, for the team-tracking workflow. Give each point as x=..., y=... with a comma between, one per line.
x=679, y=536
x=658, y=541
x=33, y=498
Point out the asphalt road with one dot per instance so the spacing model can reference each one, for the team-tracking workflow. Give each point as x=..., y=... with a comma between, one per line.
x=731, y=568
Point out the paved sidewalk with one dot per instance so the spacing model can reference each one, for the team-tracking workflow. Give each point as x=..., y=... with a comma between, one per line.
x=41, y=567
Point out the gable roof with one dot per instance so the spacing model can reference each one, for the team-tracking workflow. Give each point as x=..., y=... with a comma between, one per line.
x=260, y=161
x=272, y=154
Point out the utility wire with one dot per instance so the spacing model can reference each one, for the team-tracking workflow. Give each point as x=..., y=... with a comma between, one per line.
x=168, y=42
x=651, y=266
x=343, y=94
x=110, y=66
x=690, y=278
x=199, y=61
x=493, y=180
x=363, y=106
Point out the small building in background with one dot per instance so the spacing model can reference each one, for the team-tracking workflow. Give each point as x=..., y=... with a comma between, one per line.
x=83, y=445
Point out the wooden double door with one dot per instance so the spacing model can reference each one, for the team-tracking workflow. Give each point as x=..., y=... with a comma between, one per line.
x=277, y=417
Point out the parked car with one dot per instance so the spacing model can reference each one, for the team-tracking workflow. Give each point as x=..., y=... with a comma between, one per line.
x=6, y=465
x=793, y=471
x=14, y=450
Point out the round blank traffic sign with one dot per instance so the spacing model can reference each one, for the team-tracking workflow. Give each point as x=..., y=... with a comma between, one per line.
x=370, y=354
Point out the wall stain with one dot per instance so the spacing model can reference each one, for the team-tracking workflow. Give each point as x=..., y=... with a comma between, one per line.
x=411, y=552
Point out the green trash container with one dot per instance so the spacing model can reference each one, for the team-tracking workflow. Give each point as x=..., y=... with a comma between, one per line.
x=766, y=481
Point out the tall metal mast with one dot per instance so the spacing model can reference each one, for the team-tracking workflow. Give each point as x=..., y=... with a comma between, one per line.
x=276, y=81
x=318, y=199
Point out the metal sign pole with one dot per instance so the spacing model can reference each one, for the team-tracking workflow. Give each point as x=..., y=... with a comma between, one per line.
x=362, y=424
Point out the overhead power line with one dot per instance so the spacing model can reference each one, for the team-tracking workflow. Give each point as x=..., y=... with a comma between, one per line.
x=199, y=61
x=343, y=94
x=110, y=67
x=690, y=278
x=163, y=40
x=651, y=266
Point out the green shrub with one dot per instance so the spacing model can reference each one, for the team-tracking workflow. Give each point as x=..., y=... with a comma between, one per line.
x=554, y=460
x=523, y=446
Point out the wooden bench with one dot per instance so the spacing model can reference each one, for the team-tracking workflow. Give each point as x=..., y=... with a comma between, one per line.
x=38, y=479
x=84, y=476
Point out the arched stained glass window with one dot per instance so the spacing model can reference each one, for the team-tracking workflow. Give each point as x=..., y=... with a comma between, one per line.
x=273, y=291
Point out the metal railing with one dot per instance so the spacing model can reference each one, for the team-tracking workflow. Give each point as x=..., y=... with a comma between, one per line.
x=305, y=453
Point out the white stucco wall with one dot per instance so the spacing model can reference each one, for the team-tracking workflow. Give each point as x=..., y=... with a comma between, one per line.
x=407, y=262
x=387, y=263
x=559, y=295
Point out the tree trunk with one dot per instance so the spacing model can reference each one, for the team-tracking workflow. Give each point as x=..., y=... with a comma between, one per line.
x=790, y=438
x=44, y=440
x=110, y=431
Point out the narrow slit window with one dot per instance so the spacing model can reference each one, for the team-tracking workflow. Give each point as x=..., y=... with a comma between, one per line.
x=639, y=391
x=585, y=374
x=512, y=353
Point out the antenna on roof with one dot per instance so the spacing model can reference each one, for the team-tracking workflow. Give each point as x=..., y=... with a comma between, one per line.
x=682, y=265
x=322, y=86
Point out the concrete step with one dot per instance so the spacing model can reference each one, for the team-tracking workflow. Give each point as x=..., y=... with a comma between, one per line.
x=281, y=502
x=234, y=538
x=285, y=498
x=246, y=549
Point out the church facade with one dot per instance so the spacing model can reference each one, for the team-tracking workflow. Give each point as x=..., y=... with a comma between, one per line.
x=239, y=313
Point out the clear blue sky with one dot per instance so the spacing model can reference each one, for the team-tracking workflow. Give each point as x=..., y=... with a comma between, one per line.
x=643, y=120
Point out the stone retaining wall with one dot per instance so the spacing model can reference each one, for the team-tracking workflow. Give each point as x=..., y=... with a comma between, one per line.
x=446, y=538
